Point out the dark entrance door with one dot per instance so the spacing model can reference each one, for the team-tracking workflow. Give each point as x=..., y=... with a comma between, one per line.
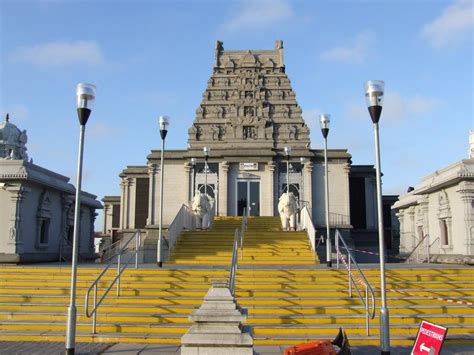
x=248, y=196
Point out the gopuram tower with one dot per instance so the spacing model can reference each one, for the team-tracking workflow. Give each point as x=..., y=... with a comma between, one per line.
x=249, y=104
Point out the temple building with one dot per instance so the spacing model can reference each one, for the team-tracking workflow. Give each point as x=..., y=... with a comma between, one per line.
x=440, y=208
x=247, y=116
x=37, y=207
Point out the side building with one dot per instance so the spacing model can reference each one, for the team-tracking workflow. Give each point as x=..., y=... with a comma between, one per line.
x=37, y=207
x=441, y=206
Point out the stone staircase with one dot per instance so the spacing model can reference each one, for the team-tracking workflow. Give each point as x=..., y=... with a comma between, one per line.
x=287, y=303
x=264, y=243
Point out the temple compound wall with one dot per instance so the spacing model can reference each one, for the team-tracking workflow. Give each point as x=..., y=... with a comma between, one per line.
x=247, y=116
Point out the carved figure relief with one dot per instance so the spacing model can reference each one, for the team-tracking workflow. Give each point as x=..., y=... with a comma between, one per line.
x=248, y=111
x=292, y=132
x=249, y=132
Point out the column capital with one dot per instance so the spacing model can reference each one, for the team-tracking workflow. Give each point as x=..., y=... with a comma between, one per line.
x=271, y=166
x=187, y=167
x=225, y=166
x=308, y=167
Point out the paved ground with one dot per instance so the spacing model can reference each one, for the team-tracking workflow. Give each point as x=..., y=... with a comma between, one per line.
x=45, y=348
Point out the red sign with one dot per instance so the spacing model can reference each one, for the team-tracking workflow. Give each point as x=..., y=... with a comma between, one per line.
x=429, y=339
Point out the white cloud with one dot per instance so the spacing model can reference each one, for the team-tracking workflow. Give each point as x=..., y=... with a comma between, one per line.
x=354, y=52
x=259, y=14
x=59, y=53
x=453, y=25
x=396, y=108
x=100, y=130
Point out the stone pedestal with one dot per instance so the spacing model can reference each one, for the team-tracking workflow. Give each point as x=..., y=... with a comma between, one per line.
x=218, y=326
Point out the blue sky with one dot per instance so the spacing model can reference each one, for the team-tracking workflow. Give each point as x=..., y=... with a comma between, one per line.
x=150, y=58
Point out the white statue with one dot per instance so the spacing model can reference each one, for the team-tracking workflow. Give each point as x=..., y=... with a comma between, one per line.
x=288, y=208
x=201, y=208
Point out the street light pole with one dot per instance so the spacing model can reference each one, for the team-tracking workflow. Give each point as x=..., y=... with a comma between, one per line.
x=324, y=120
x=287, y=153
x=164, y=123
x=374, y=92
x=85, y=95
x=206, y=151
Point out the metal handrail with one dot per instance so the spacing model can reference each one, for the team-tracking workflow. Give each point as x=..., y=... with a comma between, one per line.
x=417, y=249
x=233, y=266
x=352, y=280
x=235, y=248
x=243, y=229
x=120, y=270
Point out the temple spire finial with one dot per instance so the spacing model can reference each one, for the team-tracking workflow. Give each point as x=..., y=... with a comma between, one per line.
x=7, y=117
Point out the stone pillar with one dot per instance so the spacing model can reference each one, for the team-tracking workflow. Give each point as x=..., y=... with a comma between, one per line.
x=187, y=181
x=347, y=202
x=223, y=181
x=308, y=186
x=132, y=195
x=466, y=193
x=106, y=212
x=218, y=329
x=270, y=167
x=15, y=243
x=152, y=203
x=125, y=202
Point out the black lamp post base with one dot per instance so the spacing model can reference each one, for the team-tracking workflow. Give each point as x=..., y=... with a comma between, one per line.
x=329, y=264
x=69, y=351
x=160, y=264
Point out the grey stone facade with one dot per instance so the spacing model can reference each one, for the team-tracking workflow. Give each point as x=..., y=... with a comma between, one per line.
x=37, y=215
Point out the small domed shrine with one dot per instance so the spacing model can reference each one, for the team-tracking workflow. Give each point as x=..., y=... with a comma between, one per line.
x=12, y=141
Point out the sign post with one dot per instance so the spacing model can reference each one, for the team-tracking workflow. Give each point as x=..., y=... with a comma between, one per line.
x=429, y=339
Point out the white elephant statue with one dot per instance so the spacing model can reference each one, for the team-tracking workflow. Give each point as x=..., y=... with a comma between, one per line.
x=201, y=208
x=288, y=208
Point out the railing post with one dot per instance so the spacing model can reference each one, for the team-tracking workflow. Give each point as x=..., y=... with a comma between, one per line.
x=137, y=246
x=350, y=275
x=94, y=318
x=118, y=274
x=367, y=309
x=428, y=248
x=336, y=236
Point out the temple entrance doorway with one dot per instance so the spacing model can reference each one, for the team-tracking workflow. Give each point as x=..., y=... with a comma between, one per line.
x=248, y=196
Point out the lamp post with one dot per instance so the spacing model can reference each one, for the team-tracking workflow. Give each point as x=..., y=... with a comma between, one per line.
x=85, y=94
x=206, y=151
x=374, y=92
x=287, y=153
x=324, y=120
x=193, y=164
x=164, y=123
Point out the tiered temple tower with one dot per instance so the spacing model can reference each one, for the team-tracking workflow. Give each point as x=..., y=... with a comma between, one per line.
x=249, y=103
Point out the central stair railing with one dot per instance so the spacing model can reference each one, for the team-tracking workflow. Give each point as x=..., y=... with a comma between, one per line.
x=355, y=280
x=235, y=249
x=121, y=266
